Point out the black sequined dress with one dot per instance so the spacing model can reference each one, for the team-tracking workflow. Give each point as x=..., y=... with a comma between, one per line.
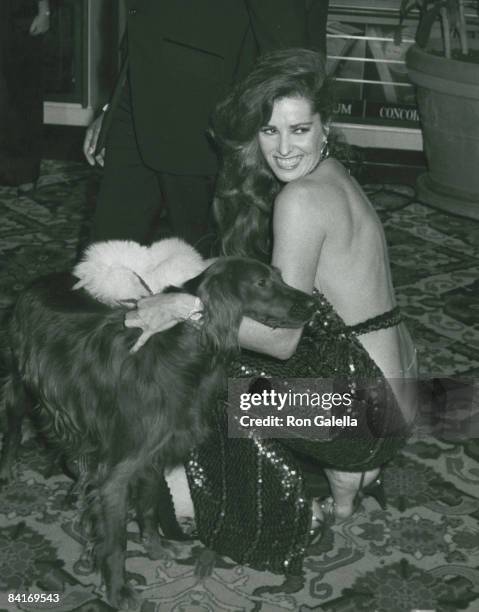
x=249, y=494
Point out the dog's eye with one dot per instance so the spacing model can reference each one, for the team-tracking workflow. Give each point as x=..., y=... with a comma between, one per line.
x=261, y=282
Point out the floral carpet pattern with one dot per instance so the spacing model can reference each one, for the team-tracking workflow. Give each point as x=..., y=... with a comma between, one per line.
x=421, y=553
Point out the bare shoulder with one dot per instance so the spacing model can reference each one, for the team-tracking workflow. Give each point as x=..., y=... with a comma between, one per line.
x=327, y=187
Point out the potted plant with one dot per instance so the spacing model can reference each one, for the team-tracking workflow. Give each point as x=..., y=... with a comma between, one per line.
x=446, y=74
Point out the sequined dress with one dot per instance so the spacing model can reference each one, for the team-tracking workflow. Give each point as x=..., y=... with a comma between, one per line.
x=250, y=496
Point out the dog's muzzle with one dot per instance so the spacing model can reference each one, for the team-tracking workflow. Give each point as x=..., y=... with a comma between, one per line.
x=303, y=310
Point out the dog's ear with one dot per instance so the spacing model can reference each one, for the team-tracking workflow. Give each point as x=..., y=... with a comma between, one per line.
x=222, y=313
x=192, y=286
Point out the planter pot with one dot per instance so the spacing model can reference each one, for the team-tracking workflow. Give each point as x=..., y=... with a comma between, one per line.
x=448, y=102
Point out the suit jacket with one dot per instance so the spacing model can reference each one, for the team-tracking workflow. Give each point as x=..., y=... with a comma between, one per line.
x=317, y=21
x=182, y=57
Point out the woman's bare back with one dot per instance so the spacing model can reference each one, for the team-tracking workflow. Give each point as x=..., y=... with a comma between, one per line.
x=354, y=274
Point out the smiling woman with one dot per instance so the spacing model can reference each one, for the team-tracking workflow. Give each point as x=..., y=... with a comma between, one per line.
x=277, y=119
x=294, y=141
x=281, y=198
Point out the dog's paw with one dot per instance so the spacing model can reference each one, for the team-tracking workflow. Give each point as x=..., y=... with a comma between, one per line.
x=125, y=598
x=153, y=546
x=158, y=548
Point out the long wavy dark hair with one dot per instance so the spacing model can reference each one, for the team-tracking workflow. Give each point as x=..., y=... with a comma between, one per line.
x=246, y=186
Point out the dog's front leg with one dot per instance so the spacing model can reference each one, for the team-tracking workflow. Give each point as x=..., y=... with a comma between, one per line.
x=154, y=506
x=146, y=505
x=17, y=402
x=111, y=536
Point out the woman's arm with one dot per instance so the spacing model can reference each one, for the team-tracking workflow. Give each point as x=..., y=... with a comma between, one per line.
x=161, y=312
x=298, y=235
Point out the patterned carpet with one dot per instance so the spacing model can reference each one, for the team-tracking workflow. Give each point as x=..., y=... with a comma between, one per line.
x=421, y=553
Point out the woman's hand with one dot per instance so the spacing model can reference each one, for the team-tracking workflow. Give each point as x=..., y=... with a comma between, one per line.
x=91, y=140
x=40, y=24
x=161, y=312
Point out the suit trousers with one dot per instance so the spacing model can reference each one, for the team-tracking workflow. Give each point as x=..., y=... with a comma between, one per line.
x=136, y=202
x=21, y=97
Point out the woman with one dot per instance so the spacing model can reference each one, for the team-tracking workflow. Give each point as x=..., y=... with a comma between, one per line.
x=281, y=198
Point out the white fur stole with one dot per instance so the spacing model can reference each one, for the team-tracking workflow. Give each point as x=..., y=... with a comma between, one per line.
x=116, y=271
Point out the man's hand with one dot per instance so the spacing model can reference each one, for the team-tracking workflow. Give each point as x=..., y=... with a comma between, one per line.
x=161, y=312
x=91, y=141
x=40, y=24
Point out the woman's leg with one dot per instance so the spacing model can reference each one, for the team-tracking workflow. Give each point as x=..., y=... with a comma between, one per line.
x=344, y=489
x=180, y=492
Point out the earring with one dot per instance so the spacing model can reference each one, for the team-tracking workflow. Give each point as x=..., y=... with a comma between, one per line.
x=324, y=153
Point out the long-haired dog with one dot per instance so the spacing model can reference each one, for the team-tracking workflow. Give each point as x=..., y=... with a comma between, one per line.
x=125, y=416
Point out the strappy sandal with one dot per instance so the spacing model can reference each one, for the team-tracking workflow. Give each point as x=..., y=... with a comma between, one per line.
x=327, y=506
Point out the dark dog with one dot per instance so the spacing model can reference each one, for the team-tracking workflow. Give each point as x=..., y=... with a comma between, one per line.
x=126, y=416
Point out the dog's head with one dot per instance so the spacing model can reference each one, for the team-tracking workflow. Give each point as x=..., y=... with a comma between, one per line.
x=233, y=287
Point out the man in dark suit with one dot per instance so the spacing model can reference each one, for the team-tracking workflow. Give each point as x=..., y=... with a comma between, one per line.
x=23, y=24
x=317, y=21
x=182, y=57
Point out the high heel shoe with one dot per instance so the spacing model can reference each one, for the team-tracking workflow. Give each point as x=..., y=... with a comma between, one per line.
x=375, y=489
x=327, y=507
